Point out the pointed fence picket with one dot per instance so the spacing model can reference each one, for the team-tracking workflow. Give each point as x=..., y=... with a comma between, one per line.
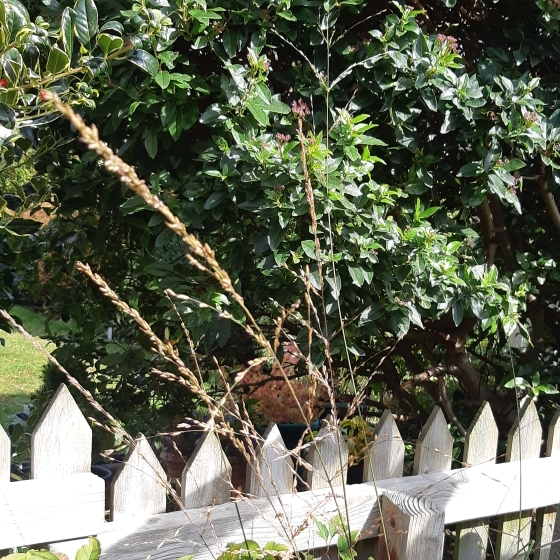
x=546, y=517
x=524, y=442
x=62, y=427
x=207, y=475
x=67, y=502
x=386, y=451
x=410, y=525
x=271, y=471
x=481, y=444
x=139, y=487
x=385, y=460
x=328, y=458
x=62, y=499
x=435, y=445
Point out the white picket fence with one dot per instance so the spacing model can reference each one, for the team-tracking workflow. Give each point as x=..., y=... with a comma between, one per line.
x=63, y=501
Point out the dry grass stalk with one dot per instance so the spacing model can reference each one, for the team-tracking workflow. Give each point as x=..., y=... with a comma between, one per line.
x=200, y=255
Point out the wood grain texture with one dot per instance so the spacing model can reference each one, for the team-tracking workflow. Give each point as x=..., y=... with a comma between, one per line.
x=270, y=473
x=61, y=440
x=434, y=446
x=463, y=494
x=386, y=451
x=524, y=442
x=328, y=457
x=414, y=528
x=138, y=489
x=5, y=455
x=546, y=549
x=42, y=510
x=205, y=532
x=207, y=474
x=481, y=443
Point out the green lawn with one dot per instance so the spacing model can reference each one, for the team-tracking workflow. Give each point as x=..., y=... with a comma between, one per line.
x=21, y=363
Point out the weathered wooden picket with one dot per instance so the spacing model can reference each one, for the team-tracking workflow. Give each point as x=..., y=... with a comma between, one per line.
x=63, y=501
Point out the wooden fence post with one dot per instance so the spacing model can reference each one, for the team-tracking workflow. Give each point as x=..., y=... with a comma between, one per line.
x=5, y=456
x=63, y=499
x=524, y=442
x=481, y=443
x=61, y=440
x=546, y=517
x=207, y=474
x=386, y=451
x=414, y=528
x=138, y=489
x=384, y=460
x=328, y=458
x=435, y=445
x=271, y=471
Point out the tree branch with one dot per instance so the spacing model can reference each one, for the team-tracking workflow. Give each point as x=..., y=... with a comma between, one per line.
x=548, y=199
x=502, y=233
x=461, y=366
x=446, y=405
x=487, y=229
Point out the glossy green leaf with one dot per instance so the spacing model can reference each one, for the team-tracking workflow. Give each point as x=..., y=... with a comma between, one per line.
x=167, y=115
x=133, y=204
x=12, y=64
x=335, y=285
x=514, y=164
x=357, y=274
x=86, y=21
x=176, y=125
x=151, y=143
x=257, y=108
x=516, y=382
x=109, y=43
x=429, y=98
x=7, y=116
x=275, y=236
x=276, y=106
x=144, y=60
x=57, y=62
x=214, y=199
x=229, y=40
x=469, y=170
x=400, y=322
x=308, y=247
x=113, y=25
x=163, y=79
x=189, y=114
x=15, y=17
x=67, y=22
x=428, y=212
x=204, y=16
x=457, y=312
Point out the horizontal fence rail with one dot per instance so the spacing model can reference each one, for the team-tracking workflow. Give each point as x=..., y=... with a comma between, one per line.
x=64, y=501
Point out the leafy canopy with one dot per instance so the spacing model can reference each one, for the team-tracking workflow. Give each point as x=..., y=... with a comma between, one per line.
x=401, y=164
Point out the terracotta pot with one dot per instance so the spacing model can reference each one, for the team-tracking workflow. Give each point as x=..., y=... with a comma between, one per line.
x=174, y=462
x=238, y=473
